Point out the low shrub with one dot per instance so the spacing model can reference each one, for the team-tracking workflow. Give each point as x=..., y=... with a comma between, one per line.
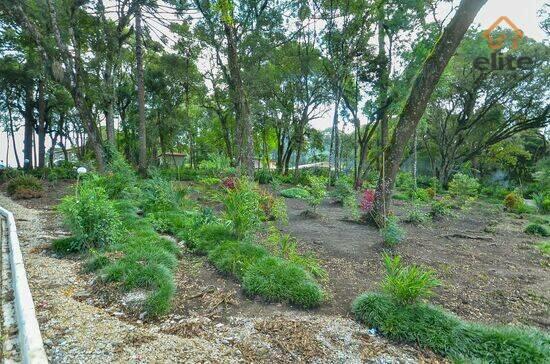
x=25, y=187
x=392, y=233
x=404, y=181
x=416, y=216
x=242, y=207
x=440, y=208
x=463, y=188
x=351, y=207
x=263, y=176
x=206, y=237
x=420, y=194
x=317, y=191
x=407, y=284
x=235, y=257
x=343, y=188
x=91, y=216
x=286, y=247
x=210, y=181
x=158, y=195
x=295, y=192
x=277, y=280
x=400, y=196
x=537, y=229
x=542, y=200
x=514, y=202
x=273, y=208
x=445, y=334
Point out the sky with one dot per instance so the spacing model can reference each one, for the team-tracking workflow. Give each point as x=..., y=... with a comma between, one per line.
x=523, y=13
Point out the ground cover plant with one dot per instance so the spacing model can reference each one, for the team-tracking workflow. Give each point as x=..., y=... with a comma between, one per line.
x=24, y=186
x=400, y=314
x=121, y=245
x=295, y=192
x=281, y=275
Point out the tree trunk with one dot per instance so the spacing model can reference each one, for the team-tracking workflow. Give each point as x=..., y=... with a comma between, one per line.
x=29, y=125
x=334, y=136
x=245, y=138
x=12, y=132
x=142, y=160
x=418, y=98
x=41, y=125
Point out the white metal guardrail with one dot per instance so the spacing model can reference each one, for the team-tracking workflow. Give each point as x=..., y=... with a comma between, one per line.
x=30, y=339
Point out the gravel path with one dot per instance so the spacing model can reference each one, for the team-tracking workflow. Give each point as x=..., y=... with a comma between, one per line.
x=75, y=331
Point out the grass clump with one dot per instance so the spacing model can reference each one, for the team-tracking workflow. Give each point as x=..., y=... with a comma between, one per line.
x=236, y=257
x=445, y=334
x=407, y=284
x=25, y=187
x=277, y=280
x=544, y=247
x=537, y=229
x=317, y=191
x=295, y=192
x=392, y=233
x=242, y=207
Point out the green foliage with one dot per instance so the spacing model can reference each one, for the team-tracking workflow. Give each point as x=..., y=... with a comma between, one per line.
x=420, y=194
x=216, y=165
x=210, y=181
x=416, y=216
x=202, y=239
x=158, y=195
x=514, y=202
x=440, y=208
x=392, y=233
x=400, y=196
x=542, y=200
x=445, y=334
x=351, y=207
x=407, y=284
x=242, y=207
x=404, y=181
x=91, y=217
x=120, y=179
x=24, y=186
x=463, y=187
x=537, y=229
x=263, y=176
x=295, y=192
x=273, y=208
x=235, y=257
x=544, y=247
x=278, y=280
x=317, y=191
x=343, y=188
x=286, y=247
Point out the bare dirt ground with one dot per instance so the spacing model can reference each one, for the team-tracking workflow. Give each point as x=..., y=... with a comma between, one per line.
x=495, y=277
x=83, y=320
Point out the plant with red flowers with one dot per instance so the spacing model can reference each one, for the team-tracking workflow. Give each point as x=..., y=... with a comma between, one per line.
x=367, y=200
x=229, y=183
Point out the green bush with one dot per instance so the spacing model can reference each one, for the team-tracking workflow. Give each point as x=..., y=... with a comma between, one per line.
x=514, y=202
x=216, y=165
x=400, y=196
x=404, y=181
x=317, y=191
x=263, y=176
x=440, y=208
x=544, y=247
x=542, y=200
x=235, y=257
x=206, y=237
x=286, y=247
x=295, y=192
x=407, y=284
x=277, y=280
x=242, y=207
x=25, y=186
x=392, y=233
x=420, y=194
x=463, y=187
x=445, y=334
x=537, y=229
x=416, y=216
x=343, y=188
x=91, y=217
x=351, y=207
x=158, y=195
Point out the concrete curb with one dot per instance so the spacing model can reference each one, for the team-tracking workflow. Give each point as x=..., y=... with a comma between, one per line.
x=30, y=339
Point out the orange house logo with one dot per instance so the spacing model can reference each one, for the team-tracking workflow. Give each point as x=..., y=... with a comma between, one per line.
x=498, y=42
